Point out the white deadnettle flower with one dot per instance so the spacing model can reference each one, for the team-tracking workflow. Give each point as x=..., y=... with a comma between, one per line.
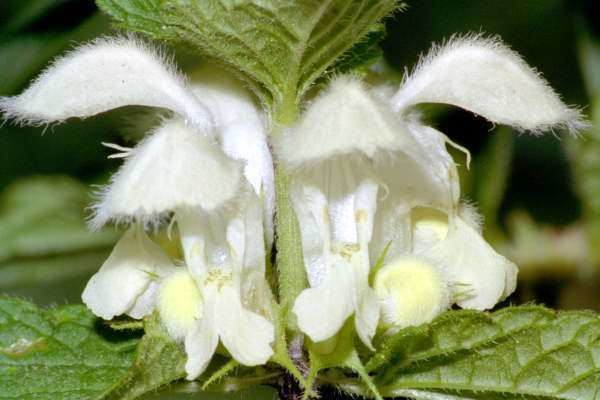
x=178, y=169
x=342, y=153
x=364, y=165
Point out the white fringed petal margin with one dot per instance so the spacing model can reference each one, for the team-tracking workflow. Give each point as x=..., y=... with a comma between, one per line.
x=134, y=267
x=106, y=74
x=473, y=266
x=486, y=77
x=174, y=167
x=344, y=119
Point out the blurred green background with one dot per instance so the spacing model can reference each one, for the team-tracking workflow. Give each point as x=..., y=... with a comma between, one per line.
x=540, y=196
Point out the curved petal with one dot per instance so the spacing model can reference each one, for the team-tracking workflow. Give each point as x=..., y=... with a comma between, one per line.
x=486, y=77
x=322, y=310
x=246, y=335
x=202, y=340
x=119, y=286
x=367, y=316
x=106, y=74
x=473, y=266
x=243, y=133
x=174, y=167
x=344, y=119
x=423, y=178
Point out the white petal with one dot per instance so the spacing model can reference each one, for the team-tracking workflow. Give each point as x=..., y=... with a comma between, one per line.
x=201, y=342
x=243, y=132
x=146, y=302
x=327, y=197
x=472, y=265
x=487, y=78
x=367, y=316
x=106, y=74
x=205, y=240
x=174, y=167
x=124, y=277
x=344, y=119
x=322, y=310
x=425, y=177
x=246, y=335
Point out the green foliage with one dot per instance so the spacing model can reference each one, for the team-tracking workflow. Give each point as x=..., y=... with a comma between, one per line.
x=362, y=55
x=518, y=352
x=159, y=361
x=339, y=352
x=59, y=353
x=281, y=48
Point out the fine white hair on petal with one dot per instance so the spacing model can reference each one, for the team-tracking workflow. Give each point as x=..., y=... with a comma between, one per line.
x=105, y=74
x=175, y=167
x=484, y=76
x=346, y=118
x=467, y=211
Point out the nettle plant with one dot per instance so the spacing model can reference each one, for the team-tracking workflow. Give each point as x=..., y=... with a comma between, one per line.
x=297, y=160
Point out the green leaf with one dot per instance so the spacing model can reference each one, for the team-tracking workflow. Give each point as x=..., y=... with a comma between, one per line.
x=339, y=351
x=279, y=47
x=518, y=352
x=362, y=55
x=159, y=361
x=60, y=353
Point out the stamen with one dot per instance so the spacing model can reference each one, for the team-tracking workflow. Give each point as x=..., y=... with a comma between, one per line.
x=460, y=148
x=125, y=151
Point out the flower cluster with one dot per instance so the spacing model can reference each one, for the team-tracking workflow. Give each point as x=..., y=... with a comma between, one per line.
x=385, y=238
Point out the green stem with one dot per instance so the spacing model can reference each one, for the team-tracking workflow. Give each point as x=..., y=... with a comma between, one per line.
x=290, y=265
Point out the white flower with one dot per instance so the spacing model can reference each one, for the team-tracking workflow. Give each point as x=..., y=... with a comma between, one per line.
x=360, y=152
x=180, y=169
x=334, y=190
